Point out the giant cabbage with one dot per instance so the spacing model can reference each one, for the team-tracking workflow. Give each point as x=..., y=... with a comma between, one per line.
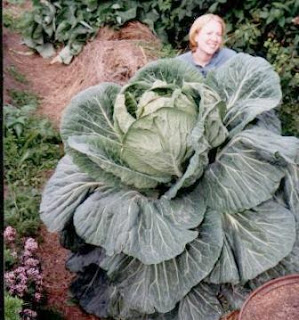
x=174, y=187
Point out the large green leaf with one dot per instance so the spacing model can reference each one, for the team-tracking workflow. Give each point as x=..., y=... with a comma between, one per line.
x=171, y=71
x=158, y=287
x=78, y=261
x=269, y=121
x=91, y=112
x=244, y=173
x=106, y=154
x=249, y=86
x=256, y=240
x=99, y=296
x=292, y=189
x=200, y=303
x=64, y=192
x=157, y=144
x=211, y=113
x=94, y=291
x=289, y=265
x=150, y=230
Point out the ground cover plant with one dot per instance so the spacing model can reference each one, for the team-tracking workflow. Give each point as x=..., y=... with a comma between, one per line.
x=32, y=147
x=173, y=188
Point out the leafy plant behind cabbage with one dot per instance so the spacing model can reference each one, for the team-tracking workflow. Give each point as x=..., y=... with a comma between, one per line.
x=173, y=186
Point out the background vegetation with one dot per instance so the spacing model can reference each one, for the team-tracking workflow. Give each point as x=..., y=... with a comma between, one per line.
x=32, y=149
x=259, y=27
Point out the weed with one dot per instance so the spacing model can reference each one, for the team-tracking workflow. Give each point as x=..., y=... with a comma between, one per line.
x=289, y=115
x=21, y=210
x=32, y=147
x=13, y=307
x=12, y=70
x=21, y=98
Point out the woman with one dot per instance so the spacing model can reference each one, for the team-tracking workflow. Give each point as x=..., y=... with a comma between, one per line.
x=205, y=41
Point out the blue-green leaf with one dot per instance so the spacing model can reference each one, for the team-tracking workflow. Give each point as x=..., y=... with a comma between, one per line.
x=255, y=240
x=126, y=221
x=158, y=287
x=249, y=86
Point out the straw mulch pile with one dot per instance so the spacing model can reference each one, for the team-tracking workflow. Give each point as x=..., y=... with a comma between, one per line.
x=113, y=56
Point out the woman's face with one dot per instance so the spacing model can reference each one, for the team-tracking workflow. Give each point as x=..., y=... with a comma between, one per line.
x=209, y=38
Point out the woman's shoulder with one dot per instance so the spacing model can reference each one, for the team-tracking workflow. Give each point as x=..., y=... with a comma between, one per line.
x=187, y=56
x=226, y=52
x=222, y=56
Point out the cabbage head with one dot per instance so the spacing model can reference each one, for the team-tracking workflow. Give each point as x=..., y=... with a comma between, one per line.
x=176, y=190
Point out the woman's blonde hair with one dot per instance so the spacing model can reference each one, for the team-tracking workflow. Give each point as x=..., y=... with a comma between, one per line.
x=199, y=23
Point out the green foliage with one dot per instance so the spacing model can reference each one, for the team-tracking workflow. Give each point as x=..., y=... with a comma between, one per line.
x=12, y=19
x=8, y=21
x=21, y=210
x=31, y=149
x=31, y=145
x=12, y=70
x=22, y=98
x=9, y=259
x=289, y=115
x=13, y=306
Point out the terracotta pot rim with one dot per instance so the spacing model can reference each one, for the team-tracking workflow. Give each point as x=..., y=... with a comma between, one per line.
x=284, y=280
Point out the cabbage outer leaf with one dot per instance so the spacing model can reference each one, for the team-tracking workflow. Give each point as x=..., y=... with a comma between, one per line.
x=289, y=265
x=255, y=240
x=64, y=192
x=249, y=86
x=200, y=304
x=292, y=189
x=158, y=287
x=248, y=170
x=91, y=112
x=107, y=155
x=151, y=230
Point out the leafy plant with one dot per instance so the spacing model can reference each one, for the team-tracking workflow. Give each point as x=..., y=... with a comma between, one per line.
x=32, y=148
x=174, y=187
x=21, y=210
x=21, y=98
x=9, y=258
x=16, y=74
x=31, y=144
x=13, y=307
